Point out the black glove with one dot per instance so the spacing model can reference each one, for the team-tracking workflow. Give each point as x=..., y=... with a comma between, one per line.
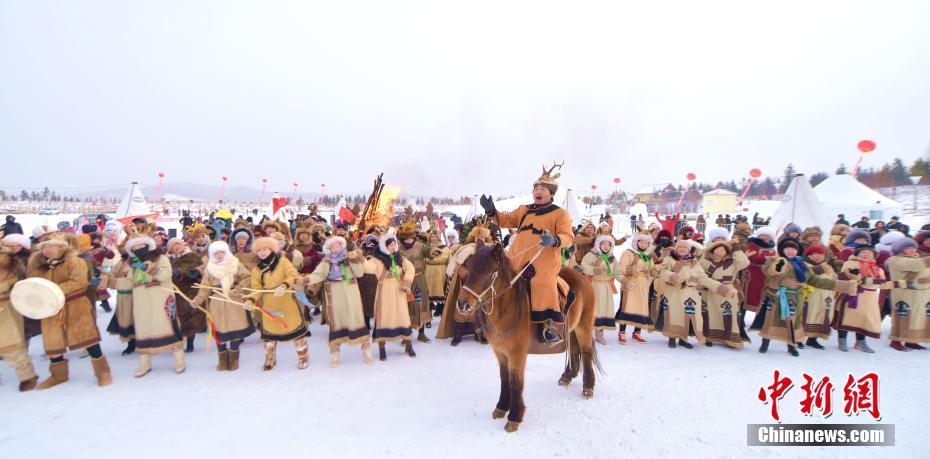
x=780, y=264
x=854, y=271
x=194, y=275
x=487, y=203
x=548, y=240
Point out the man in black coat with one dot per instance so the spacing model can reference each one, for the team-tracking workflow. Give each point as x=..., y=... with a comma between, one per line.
x=862, y=224
x=841, y=220
x=11, y=227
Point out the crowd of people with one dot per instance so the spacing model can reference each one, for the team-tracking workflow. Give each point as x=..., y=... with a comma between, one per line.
x=233, y=279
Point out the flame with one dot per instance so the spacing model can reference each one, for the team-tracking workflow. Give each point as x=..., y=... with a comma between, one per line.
x=384, y=213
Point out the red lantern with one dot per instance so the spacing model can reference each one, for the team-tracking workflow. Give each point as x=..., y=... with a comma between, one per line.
x=617, y=180
x=866, y=146
x=161, y=175
x=225, y=178
x=593, y=187
x=264, y=180
x=295, y=184
x=691, y=176
x=755, y=173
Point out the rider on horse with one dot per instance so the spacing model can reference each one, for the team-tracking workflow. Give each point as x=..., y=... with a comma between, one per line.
x=541, y=224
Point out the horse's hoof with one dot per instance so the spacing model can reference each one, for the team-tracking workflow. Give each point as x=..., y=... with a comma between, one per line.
x=498, y=413
x=587, y=393
x=564, y=382
x=512, y=426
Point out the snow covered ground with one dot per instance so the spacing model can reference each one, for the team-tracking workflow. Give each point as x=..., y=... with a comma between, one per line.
x=652, y=402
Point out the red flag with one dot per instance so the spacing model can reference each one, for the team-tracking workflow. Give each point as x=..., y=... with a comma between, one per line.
x=346, y=215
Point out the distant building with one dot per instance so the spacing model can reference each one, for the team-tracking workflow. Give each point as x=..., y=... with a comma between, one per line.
x=718, y=201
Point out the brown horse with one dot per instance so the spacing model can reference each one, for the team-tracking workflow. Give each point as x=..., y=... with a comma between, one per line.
x=503, y=311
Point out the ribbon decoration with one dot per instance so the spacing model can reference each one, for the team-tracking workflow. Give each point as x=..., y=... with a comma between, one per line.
x=784, y=307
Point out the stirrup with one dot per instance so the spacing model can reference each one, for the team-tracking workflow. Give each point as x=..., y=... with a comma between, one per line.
x=550, y=334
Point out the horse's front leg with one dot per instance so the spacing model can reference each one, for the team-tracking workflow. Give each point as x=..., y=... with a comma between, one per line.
x=503, y=402
x=517, y=408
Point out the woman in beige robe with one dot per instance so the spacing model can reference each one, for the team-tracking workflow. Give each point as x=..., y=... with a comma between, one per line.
x=910, y=299
x=600, y=265
x=232, y=322
x=275, y=274
x=436, y=271
x=154, y=308
x=818, y=304
x=681, y=308
x=860, y=313
x=723, y=262
x=12, y=336
x=395, y=276
x=638, y=271
x=339, y=271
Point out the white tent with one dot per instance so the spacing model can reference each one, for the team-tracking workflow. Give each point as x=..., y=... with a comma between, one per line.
x=800, y=206
x=573, y=205
x=843, y=194
x=133, y=203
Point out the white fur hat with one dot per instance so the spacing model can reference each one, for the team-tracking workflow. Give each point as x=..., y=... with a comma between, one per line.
x=383, y=240
x=641, y=237
x=604, y=238
x=139, y=240
x=764, y=231
x=452, y=237
x=218, y=246
x=332, y=240
x=890, y=237
x=17, y=239
x=716, y=232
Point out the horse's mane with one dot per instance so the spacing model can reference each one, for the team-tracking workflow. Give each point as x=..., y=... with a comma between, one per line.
x=482, y=263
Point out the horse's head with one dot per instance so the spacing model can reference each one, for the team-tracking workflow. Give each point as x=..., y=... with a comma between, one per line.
x=482, y=276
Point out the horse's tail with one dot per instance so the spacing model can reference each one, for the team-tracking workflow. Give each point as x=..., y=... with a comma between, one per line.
x=584, y=291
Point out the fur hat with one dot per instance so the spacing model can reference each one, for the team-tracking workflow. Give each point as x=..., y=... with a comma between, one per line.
x=172, y=242
x=839, y=229
x=860, y=247
x=218, y=246
x=266, y=242
x=236, y=234
x=136, y=240
x=196, y=230
x=408, y=230
x=40, y=231
x=788, y=242
x=383, y=242
x=714, y=245
x=65, y=240
x=548, y=180
x=604, y=238
x=921, y=237
x=333, y=240
x=452, y=237
x=641, y=236
x=716, y=233
x=815, y=249
x=17, y=239
x=857, y=234
x=792, y=228
x=272, y=226
x=901, y=244
x=764, y=231
x=891, y=237
x=479, y=232
x=811, y=231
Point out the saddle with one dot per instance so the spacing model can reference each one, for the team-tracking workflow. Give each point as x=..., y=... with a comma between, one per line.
x=566, y=299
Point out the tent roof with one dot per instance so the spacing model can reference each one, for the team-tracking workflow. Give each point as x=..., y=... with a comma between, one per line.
x=133, y=203
x=800, y=206
x=845, y=191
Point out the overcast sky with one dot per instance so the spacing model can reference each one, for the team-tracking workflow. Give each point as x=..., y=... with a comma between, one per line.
x=456, y=98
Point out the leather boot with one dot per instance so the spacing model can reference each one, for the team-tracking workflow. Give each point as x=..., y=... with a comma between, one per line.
x=222, y=363
x=59, y=374
x=271, y=348
x=841, y=343
x=29, y=384
x=382, y=353
x=456, y=338
x=233, y=359
x=190, y=344
x=145, y=365
x=179, y=361
x=303, y=357
x=421, y=337
x=765, y=346
x=599, y=337
x=130, y=347
x=408, y=346
x=102, y=371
